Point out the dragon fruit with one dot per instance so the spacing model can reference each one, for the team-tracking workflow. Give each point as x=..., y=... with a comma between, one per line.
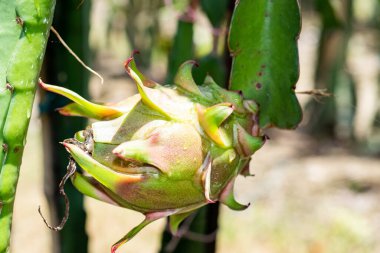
x=166, y=151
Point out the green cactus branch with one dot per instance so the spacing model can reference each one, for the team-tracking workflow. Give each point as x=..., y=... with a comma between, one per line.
x=9, y=34
x=24, y=30
x=265, y=58
x=183, y=48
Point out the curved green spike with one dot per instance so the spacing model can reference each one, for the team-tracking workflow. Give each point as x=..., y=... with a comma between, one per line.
x=227, y=198
x=81, y=106
x=151, y=97
x=233, y=204
x=184, y=78
x=132, y=64
x=131, y=234
x=88, y=186
x=149, y=218
x=74, y=109
x=111, y=179
x=176, y=219
x=247, y=144
x=211, y=118
x=137, y=150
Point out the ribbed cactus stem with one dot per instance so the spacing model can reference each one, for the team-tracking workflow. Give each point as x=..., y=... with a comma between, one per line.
x=5, y=99
x=31, y=24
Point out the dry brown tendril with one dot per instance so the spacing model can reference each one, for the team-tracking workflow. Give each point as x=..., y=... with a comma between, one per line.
x=71, y=168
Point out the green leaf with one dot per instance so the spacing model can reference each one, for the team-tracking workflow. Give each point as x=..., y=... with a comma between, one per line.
x=263, y=43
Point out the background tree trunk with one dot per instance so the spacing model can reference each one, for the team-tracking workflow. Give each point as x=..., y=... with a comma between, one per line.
x=327, y=118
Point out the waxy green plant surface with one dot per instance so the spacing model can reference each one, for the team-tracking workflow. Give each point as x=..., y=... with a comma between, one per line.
x=166, y=151
x=24, y=29
x=263, y=43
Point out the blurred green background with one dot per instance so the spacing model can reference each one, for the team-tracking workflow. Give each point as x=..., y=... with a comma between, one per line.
x=315, y=190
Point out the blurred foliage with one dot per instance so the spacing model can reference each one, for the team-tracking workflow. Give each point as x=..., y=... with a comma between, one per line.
x=215, y=11
x=182, y=48
x=142, y=27
x=348, y=40
x=330, y=72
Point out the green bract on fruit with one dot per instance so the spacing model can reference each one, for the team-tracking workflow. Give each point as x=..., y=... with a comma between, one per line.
x=166, y=151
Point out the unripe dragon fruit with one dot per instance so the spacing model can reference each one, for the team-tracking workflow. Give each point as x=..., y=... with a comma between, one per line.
x=166, y=151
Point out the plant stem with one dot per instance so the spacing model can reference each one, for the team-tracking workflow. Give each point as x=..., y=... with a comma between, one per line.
x=23, y=68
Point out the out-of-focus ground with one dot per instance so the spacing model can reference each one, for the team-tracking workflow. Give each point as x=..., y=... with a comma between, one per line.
x=308, y=195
